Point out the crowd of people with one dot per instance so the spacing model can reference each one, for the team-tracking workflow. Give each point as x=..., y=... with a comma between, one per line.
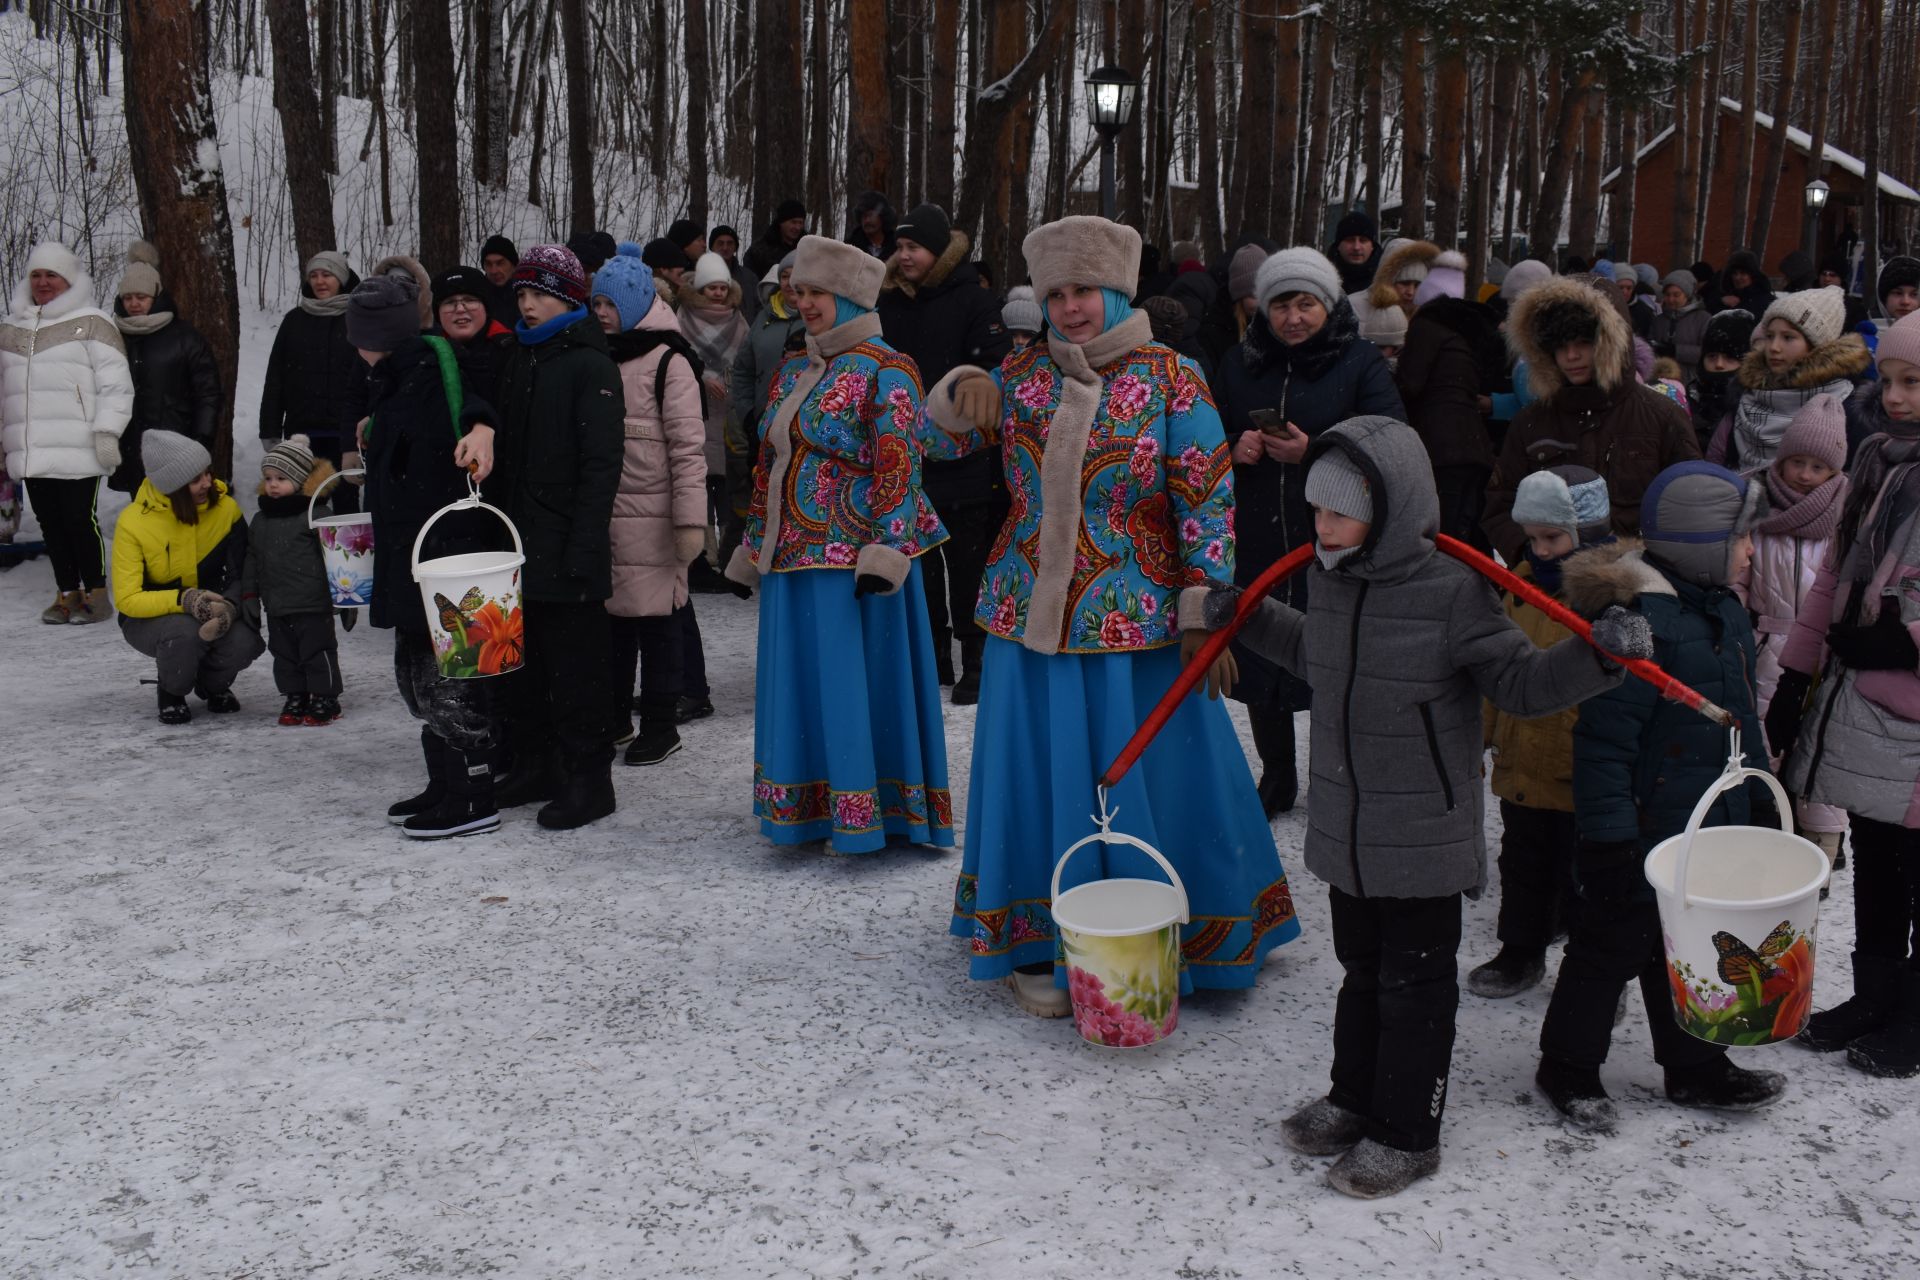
x=1068, y=487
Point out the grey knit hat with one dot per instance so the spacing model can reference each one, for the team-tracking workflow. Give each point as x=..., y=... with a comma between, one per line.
x=1337, y=484
x=1022, y=312
x=1384, y=326
x=383, y=312
x=1298, y=270
x=1691, y=516
x=173, y=461
x=1569, y=497
x=292, y=458
x=1242, y=270
x=1683, y=279
x=334, y=263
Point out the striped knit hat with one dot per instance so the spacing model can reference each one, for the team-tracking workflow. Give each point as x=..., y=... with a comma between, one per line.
x=292, y=458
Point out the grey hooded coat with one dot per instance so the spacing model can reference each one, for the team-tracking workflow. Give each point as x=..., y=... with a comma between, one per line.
x=1400, y=645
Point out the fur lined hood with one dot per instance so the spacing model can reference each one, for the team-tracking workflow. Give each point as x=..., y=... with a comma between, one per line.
x=1609, y=574
x=1531, y=322
x=1845, y=357
x=958, y=250
x=1392, y=263
x=321, y=473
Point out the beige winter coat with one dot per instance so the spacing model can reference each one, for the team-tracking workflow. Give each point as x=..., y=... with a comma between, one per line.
x=663, y=478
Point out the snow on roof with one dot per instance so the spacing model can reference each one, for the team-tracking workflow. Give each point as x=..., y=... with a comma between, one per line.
x=1801, y=141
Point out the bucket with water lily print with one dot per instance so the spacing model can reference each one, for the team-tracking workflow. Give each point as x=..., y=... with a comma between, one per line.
x=473, y=601
x=346, y=548
x=1121, y=941
x=1738, y=907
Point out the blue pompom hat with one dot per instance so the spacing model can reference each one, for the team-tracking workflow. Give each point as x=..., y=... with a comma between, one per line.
x=627, y=283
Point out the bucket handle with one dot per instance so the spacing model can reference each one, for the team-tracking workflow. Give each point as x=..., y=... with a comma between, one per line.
x=471, y=502
x=1107, y=835
x=321, y=488
x=1732, y=776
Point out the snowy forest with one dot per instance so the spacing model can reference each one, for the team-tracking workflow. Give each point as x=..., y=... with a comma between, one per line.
x=243, y=136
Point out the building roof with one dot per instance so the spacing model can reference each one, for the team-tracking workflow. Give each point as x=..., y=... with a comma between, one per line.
x=1800, y=140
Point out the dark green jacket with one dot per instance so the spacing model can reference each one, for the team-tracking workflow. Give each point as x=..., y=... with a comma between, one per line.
x=557, y=459
x=284, y=567
x=1640, y=763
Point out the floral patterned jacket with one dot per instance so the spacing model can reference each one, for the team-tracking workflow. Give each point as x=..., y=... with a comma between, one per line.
x=837, y=483
x=1121, y=485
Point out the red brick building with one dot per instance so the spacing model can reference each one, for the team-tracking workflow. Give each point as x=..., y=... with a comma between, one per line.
x=1845, y=174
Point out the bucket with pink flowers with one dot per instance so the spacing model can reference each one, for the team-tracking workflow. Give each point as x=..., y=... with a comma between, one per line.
x=1121, y=940
x=346, y=548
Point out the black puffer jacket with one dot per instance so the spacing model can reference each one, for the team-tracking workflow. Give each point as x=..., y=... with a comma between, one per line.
x=1756, y=297
x=1332, y=376
x=1452, y=356
x=949, y=320
x=176, y=387
x=316, y=382
x=557, y=459
x=411, y=475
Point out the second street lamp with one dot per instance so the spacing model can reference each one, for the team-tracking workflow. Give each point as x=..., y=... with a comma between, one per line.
x=1112, y=95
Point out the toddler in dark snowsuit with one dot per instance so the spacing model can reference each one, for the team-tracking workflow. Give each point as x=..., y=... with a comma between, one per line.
x=1400, y=645
x=286, y=578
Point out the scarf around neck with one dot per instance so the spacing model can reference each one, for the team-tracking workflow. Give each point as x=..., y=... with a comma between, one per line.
x=715, y=331
x=534, y=335
x=141, y=326
x=1812, y=515
x=334, y=306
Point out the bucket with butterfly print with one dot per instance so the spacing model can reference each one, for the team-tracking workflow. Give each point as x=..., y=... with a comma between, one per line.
x=1738, y=907
x=346, y=548
x=473, y=601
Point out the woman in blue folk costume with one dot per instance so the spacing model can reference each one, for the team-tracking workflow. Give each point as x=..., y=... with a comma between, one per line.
x=847, y=736
x=1122, y=494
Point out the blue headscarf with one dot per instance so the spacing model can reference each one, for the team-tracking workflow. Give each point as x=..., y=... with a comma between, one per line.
x=844, y=310
x=1118, y=307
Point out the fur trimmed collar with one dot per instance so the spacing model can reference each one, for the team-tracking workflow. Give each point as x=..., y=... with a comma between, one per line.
x=1845, y=357
x=1609, y=574
x=958, y=250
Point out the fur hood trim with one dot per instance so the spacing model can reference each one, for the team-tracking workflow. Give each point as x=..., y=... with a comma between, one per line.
x=1845, y=357
x=1610, y=574
x=959, y=249
x=400, y=263
x=1612, y=347
x=321, y=473
x=1392, y=263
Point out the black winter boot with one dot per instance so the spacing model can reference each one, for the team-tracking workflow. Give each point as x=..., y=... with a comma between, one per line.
x=1273, y=742
x=1718, y=1085
x=1577, y=1094
x=294, y=709
x=1894, y=1050
x=535, y=779
x=174, y=709
x=1877, y=994
x=943, y=653
x=1514, y=970
x=583, y=798
x=1323, y=1128
x=973, y=650
x=434, y=748
x=466, y=808
x=654, y=743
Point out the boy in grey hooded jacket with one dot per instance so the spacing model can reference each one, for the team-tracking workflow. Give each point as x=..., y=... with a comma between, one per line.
x=1400, y=645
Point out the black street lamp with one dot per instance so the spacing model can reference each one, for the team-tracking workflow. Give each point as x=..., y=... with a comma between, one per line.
x=1112, y=95
x=1817, y=192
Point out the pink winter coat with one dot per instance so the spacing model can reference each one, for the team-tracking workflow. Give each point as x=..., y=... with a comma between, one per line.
x=663, y=480
x=1774, y=588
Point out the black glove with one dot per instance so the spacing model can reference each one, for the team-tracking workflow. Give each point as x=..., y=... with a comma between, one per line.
x=870, y=584
x=1610, y=871
x=348, y=617
x=1788, y=708
x=1886, y=645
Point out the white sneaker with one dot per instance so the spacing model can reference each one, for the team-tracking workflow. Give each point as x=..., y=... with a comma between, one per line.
x=1036, y=993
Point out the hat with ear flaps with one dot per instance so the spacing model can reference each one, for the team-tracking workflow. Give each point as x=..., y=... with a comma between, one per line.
x=1083, y=250
x=840, y=269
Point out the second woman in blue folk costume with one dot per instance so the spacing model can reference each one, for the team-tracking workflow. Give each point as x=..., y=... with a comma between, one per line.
x=847, y=735
x=1122, y=495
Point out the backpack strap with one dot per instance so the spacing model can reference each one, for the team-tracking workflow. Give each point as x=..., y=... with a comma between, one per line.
x=450, y=380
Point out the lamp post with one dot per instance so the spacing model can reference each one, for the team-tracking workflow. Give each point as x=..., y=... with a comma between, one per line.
x=1112, y=95
x=1816, y=196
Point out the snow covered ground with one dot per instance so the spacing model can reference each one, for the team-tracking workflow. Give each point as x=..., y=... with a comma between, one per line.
x=246, y=1030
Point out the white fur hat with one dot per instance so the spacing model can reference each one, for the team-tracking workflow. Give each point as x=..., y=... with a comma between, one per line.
x=840, y=269
x=51, y=255
x=1083, y=250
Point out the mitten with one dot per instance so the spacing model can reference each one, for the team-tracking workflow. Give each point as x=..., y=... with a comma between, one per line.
x=1884, y=645
x=977, y=398
x=220, y=615
x=870, y=584
x=350, y=461
x=200, y=605
x=1622, y=633
x=688, y=543
x=1787, y=710
x=106, y=450
x=1223, y=601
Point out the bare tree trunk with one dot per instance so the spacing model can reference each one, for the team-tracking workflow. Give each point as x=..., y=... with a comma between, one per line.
x=1130, y=187
x=1004, y=38
x=1555, y=174
x=694, y=16
x=581, y=214
x=1253, y=162
x=1313, y=202
x=869, y=143
x=1870, y=182
x=377, y=83
x=820, y=114
x=327, y=81
x=436, y=139
x=1206, y=111
x=943, y=141
x=1449, y=112
x=1415, y=157
x=1479, y=134
x=1749, y=103
x=1583, y=221
x=914, y=178
x=1822, y=90
x=1686, y=180
x=1286, y=116
x=306, y=144
x=1704, y=108
x=176, y=170
x=1373, y=106
x=1506, y=80
x=1620, y=205
x=994, y=105
x=1782, y=112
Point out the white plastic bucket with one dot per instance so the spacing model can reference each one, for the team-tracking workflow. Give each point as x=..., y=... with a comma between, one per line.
x=1122, y=943
x=473, y=601
x=346, y=547
x=1738, y=907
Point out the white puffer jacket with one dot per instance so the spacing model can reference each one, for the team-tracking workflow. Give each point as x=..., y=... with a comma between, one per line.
x=63, y=380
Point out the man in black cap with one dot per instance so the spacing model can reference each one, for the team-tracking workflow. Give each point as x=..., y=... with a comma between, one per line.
x=933, y=309
x=498, y=258
x=670, y=265
x=593, y=248
x=780, y=238
x=1355, y=251
x=686, y=235
x=725, y=241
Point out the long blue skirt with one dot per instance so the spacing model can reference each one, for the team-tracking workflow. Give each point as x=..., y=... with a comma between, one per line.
x=848, y=744
x=1047, y=728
